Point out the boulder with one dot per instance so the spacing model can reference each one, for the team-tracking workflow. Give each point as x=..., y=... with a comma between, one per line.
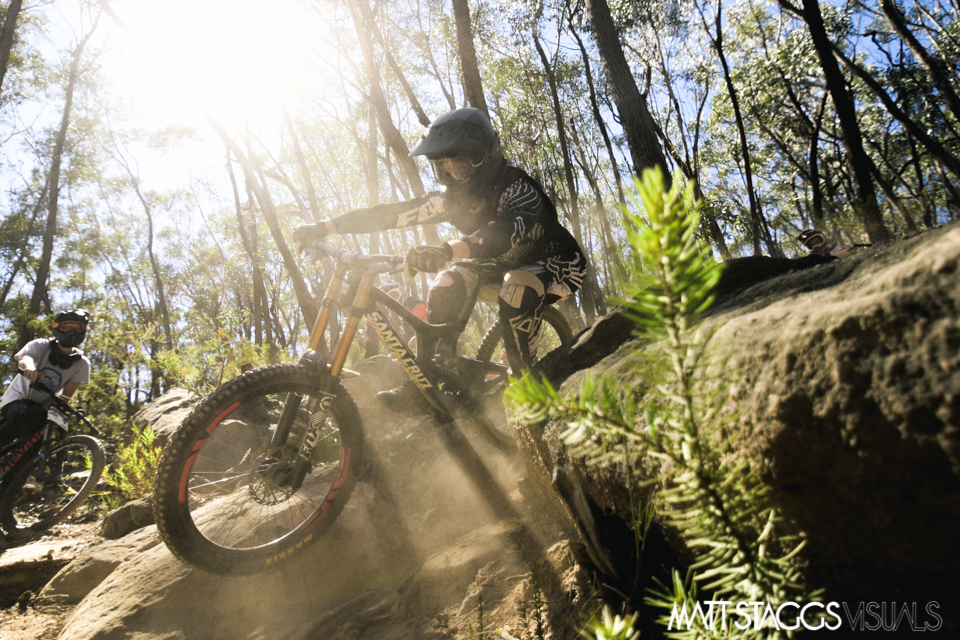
x=127, y=518
x=414, y=549
x=30, y=567
x=844, y=386
x=91, y=566
x=166, y=413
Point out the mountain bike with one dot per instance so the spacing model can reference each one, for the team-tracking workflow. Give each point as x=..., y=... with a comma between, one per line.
x=46, y=476
x=266, y=463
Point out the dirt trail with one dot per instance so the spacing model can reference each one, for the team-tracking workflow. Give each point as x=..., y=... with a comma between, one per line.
x=436, y=541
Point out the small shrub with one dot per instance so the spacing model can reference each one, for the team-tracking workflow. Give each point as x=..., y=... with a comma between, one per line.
x=721, y=508
x=132, y=473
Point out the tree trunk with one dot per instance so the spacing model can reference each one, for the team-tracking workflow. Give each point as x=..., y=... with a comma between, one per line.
x=154, y=263
x=316, y=210
x=638, y=124
x=865, y=200
x=360, y=13
x=928, y=210
x=50, y=232
x=398, y=72
x=249, y=242
x=588, y=292
x=595, y=109
x=24, y=249
x=816, y=193
x=6, y=37
x=938, y=73
x=308, y=305
x=949, y=161
x=472, y=87
x=757, y=223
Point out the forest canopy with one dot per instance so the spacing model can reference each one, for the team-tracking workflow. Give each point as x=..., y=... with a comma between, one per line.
x=156, y=159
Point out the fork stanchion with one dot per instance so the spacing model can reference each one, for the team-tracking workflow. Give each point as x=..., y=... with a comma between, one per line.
x=329, y=301
x=357, y=311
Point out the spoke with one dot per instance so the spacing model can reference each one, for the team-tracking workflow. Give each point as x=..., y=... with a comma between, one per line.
x=222, y=481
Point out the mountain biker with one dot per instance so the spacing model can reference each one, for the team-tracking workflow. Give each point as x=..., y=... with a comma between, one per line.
x=57, y=363
x=503, y=214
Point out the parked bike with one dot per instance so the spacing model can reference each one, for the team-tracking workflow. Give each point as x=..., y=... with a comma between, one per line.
x=46, y=476
x=266, y=463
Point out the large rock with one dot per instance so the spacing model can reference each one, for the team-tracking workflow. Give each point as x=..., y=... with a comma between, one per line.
x=94, y=564
x=845, y=383
x=166, y=413
x=127, y=518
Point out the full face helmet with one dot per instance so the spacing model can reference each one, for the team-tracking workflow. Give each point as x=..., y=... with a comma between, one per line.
x=462, y=147
x=814, y=241
x=70, y=327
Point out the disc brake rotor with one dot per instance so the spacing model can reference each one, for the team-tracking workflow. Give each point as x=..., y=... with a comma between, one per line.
x=269, y=480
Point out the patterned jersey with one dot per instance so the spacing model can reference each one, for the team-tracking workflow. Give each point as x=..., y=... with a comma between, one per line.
x=522, y=229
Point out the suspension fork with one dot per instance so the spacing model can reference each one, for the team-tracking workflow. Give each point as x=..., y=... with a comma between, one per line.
x=291, y=404
x=328, y=381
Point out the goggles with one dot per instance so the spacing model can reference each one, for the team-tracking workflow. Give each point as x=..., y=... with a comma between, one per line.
x=813, y=240
x=454, y=170
x=70, y=326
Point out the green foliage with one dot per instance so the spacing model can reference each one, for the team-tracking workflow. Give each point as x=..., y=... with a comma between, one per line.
x=132, y=473
x=611, y=627
x=720, y=506
x=478, y=633
x=532, y=620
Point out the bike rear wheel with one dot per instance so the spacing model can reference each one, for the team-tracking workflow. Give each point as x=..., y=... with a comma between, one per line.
x=492, y=421
x=556, y=332
x=224, y=501
x=46, y=493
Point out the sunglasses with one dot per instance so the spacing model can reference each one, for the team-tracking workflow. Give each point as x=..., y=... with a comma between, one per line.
x=70, y=326
x=454, y=170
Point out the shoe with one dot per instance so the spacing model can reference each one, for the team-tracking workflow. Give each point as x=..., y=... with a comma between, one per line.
x=406, y=398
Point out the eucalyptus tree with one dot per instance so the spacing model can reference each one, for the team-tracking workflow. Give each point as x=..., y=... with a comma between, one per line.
x=7, y=33
x=40, y=294
x=639, y=127
x=868, y=208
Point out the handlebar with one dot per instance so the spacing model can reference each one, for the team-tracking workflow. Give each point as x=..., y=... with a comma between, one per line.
x=60, y=402
x=358, y=260
x=392, y=263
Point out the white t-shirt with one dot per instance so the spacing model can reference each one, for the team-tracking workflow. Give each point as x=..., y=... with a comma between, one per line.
x=50, y=374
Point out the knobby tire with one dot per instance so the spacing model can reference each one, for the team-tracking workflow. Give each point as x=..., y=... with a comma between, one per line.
x=219, y=500
x=500, y=437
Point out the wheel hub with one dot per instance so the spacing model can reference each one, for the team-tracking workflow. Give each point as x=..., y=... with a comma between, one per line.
x=270, y=477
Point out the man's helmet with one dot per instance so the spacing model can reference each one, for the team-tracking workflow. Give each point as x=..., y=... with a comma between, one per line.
x=460, y=145
x=814, y=241
x=70, y=327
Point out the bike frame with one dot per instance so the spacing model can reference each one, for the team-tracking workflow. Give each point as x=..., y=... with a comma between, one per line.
x=364, y=303
x=36, y=444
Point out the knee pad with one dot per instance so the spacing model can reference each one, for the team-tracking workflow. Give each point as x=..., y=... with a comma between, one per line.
x=446, y=297
x=522, y=292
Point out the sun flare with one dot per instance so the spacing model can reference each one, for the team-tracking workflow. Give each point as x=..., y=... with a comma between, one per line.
x=226, y=56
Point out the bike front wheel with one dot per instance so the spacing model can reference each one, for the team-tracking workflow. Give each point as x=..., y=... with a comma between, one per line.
x=47, y=492
x=228, y=500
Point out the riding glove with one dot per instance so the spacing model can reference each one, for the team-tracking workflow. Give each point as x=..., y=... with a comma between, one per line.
x=307, y=234
x=428, y=258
